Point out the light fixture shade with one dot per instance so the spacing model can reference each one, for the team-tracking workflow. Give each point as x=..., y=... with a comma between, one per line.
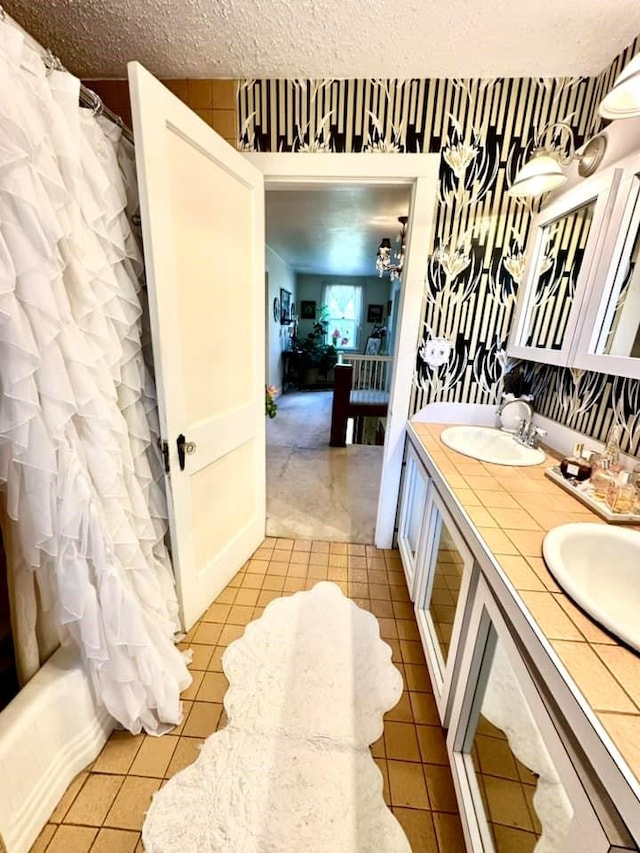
x=623, y=101
x=540, y=175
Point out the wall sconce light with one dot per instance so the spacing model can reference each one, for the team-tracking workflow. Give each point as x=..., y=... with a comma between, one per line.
x=623, y=101
x=544, y=171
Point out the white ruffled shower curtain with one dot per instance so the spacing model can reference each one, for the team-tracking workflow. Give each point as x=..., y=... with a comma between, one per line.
x=79, y=466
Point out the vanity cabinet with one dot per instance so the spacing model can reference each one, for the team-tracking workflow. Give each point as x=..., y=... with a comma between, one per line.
x=518, y=782
x=530, y=771
x=412, y=528
x=445, y=577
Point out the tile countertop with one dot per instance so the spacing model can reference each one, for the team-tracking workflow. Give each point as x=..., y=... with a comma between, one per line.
x=512, y=509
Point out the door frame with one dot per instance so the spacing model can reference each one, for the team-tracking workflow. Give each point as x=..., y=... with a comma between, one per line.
x=420, y=172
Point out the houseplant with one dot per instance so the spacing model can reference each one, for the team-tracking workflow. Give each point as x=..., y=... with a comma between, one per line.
x=270, y=406
x=316, y=357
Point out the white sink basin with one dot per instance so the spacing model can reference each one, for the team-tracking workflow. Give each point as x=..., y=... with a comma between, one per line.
x=598, y=566
x=490, y=445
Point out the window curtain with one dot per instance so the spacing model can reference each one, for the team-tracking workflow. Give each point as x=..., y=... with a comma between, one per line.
x=344, y=302
x=83, y=499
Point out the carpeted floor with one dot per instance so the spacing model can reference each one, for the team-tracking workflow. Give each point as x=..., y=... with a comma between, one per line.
x=315, y=491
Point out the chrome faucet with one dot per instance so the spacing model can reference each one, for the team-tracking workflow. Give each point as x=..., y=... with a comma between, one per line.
x=529, y=434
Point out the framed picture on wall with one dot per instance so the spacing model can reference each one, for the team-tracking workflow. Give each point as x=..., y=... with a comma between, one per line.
x=285, y=306
x=374, y=313
x=307, y=310
x=372, y=346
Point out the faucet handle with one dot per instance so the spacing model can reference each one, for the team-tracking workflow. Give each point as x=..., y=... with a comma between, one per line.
x=535, y=434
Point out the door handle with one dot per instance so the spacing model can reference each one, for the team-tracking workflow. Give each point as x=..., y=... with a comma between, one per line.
x=184, y=446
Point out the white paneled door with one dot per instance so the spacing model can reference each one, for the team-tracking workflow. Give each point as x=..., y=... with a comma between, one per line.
x=202, y=207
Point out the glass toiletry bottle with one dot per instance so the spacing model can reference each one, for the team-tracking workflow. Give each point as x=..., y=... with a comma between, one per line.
x=622, y=494
x=634, y=479
x=612, y=448
x=602, y=479
x=588, y=461
x=575, y=467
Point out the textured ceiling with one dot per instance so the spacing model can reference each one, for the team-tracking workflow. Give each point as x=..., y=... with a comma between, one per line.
x=336, y=229
x=333, y=38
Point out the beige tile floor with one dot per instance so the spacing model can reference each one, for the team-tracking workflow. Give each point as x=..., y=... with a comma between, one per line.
x=104, y=806
x=507, y=787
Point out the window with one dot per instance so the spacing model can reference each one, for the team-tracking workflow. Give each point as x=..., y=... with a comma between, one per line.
x=344, y=302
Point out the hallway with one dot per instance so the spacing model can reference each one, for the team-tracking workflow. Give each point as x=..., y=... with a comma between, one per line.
x=103, y=808
x=315, y=491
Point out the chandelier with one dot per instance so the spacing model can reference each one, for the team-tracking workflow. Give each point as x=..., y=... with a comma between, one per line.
x=384, y=261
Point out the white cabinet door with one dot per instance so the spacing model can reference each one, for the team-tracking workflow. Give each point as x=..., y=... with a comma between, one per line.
x=521, y=782
x=412, y=521
x=567, y=237
x=202, y=207
x=445, y=580
x=609, y=336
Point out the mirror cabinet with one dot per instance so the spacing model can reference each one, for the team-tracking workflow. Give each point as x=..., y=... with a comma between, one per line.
x=566, y=239
x=579, y=301
x=557, y=263
x=609, y=339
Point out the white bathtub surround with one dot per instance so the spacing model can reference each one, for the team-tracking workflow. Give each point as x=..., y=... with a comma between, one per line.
x=310, y=682
x=48, y=734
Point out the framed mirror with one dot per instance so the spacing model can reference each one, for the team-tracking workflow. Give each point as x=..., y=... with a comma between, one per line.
x=558, y=262
x=566, y=240
x=609, y=340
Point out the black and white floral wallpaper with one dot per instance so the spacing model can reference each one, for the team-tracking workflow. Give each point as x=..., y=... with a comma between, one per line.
x=484, y=130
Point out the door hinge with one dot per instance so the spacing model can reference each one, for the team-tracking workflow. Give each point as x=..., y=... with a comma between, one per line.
x=164, y=449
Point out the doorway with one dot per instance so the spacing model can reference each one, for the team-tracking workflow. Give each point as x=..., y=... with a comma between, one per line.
x=326, y=303
x=419, y=174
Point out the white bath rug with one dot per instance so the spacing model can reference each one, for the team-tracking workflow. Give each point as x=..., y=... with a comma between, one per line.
x=291, y=772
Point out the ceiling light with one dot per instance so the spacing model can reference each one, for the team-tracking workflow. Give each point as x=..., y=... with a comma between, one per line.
x=544, y=171
x=623, y=101
x=384, y=262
